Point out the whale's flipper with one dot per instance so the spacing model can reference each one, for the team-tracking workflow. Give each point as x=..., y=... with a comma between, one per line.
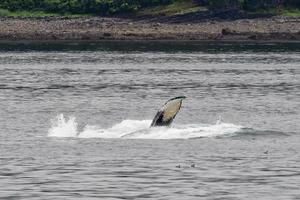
x=167, y=113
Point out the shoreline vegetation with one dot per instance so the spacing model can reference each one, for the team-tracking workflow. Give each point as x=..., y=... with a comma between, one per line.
x=202, y=20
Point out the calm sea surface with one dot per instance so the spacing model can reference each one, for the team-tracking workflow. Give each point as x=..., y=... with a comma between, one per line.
x=75, y=117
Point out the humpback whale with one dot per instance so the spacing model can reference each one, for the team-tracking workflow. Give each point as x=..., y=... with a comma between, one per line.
x=167, y=113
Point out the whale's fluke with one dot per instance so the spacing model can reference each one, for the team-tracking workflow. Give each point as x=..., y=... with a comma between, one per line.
x=167, y=113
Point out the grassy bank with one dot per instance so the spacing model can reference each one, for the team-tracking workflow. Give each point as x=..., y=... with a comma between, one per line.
x=7, y=13
x=175, y=8
x=289, y=12
x=45, y=8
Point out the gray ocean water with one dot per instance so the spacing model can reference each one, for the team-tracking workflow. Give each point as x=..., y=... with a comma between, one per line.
x=66, y=109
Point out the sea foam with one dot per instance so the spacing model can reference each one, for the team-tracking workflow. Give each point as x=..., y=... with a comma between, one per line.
x=139, y=129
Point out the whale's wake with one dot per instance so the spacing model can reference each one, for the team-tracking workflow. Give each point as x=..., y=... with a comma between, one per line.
x=139, y=129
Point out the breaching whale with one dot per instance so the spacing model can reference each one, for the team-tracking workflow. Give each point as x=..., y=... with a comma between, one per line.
x=167, y=113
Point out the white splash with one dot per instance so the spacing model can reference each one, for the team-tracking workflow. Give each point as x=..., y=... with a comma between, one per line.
x=62, y=127
x=140, y=129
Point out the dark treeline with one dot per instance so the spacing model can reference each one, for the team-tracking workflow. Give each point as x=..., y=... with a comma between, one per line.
x=104, y=7
x=249, y=5
x=80, y=6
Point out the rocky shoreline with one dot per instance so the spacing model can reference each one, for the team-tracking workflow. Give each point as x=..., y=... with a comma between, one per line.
x=107, y=28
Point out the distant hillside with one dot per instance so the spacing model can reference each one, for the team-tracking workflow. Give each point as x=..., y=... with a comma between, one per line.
x=143, y=7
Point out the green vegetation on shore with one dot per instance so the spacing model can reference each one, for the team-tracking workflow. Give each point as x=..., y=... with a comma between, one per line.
x=28, y=8
x=4, y=12
x=177, y=7
x=289, y=12
x=37, y=13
